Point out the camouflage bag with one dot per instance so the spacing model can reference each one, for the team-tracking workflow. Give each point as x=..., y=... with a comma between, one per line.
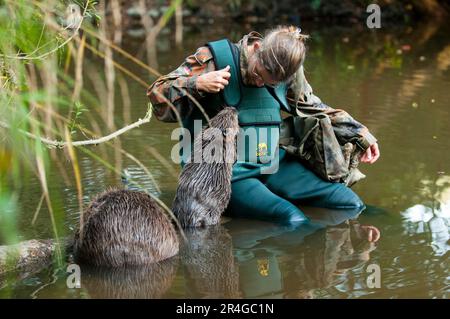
x=312, y=138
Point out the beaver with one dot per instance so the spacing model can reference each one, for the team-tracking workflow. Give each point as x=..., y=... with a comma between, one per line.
x=204, y=188
x=124, y=227
x=209, y=263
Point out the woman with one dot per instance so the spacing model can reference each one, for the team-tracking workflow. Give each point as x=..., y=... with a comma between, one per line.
x=256, y=76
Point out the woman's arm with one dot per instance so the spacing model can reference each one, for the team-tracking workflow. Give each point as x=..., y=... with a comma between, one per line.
x=175, y=87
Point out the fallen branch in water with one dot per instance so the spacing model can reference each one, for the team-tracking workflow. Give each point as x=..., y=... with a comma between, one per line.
x=29, y=256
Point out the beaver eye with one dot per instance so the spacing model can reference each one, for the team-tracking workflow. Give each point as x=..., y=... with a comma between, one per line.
x=201, y=223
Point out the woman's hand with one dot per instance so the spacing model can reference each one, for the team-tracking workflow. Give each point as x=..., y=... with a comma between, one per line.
x=371, y=155
x=373, y=234
x=213, y=82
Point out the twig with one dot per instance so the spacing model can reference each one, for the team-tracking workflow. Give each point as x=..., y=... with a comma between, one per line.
x=61, y=144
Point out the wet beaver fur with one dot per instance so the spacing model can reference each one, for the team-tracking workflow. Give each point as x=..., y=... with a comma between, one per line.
x=204, y=188
x=124, y=227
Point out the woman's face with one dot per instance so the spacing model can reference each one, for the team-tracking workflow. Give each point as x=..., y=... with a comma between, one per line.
x=258, y=75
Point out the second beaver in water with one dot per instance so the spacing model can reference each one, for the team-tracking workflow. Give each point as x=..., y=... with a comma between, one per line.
x=123, y=227
x=204, y=188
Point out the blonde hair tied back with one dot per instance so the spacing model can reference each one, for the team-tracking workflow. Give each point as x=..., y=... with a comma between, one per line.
x=283, y=51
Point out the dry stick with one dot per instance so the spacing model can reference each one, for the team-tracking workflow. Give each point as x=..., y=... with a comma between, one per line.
x=108, y=70
x=79, y=70
x=117, y=20
x=76, y=172
x=126, y=100
x=103, y=139
x=44, y=185
x=179, y=24
x=110, y=76
x=36, y=213
x=49, y=82
x=149, y=27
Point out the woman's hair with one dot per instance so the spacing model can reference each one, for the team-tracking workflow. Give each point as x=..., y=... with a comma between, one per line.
x=282, y=51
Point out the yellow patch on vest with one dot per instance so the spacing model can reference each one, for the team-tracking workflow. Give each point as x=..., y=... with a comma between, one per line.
x=262, y=149
x=263, y=267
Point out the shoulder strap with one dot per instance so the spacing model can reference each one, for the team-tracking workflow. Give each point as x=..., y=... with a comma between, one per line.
x=222, y=51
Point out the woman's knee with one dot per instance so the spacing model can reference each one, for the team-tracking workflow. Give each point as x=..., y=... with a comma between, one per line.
x=343, y=197
x=287, y=213
x=260, y=203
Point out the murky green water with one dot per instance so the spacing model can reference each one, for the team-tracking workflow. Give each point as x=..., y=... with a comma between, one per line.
x=396, y=81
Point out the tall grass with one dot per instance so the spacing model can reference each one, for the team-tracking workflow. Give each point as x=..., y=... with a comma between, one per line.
x=43, y=49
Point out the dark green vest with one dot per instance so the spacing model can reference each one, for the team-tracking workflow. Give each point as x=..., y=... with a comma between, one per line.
x=258, y=111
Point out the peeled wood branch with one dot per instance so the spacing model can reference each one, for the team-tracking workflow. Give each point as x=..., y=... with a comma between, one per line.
x=61, y=144
x=27, y=256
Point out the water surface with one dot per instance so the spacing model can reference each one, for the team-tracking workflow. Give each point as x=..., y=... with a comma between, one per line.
x=395, y=81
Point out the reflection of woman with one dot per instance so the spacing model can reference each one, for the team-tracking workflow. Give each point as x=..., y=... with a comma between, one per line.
x=287, y=261
x=255, y=75
x=326, y=255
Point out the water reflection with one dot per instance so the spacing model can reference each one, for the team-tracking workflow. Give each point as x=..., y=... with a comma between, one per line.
x=432, y=217
x=292, y=263
x=423, y=219
x=211, y=270
x=255, y=259
x=151, y=281
x=327, y=258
